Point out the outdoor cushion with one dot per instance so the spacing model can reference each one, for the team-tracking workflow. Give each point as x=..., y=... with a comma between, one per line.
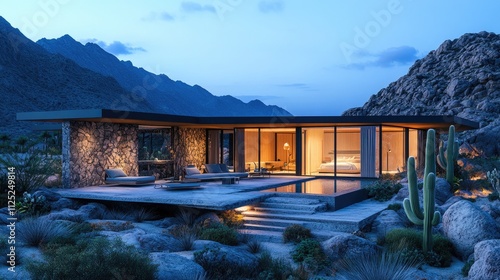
x=223, y=168
x=192, y=171
x=213, y=168
x=115, y=173
x=131, y=180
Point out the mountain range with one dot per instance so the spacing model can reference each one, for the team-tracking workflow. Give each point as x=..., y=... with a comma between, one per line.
x=462, y=78
x=63, y=74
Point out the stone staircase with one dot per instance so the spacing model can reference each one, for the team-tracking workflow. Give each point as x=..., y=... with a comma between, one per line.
x=267, y=221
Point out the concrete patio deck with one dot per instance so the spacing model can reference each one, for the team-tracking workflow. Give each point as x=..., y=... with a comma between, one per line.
x=211, y=195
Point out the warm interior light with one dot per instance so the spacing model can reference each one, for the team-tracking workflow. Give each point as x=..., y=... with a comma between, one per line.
x=286, y=146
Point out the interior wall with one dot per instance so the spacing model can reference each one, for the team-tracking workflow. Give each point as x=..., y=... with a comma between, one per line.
x=267, y=146
x=392, y=150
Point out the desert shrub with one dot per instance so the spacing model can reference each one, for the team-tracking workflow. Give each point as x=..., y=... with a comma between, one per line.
x=231, y=218
x=186, y=217
x=391, y=266
x=143, y=214
x=296, y=233
x=466, y=268
x=278, y=268
x=310, y=253
x=32, y=204
x=95, y=258
x=443, y=247
x=394, y=207
x=219, y=233
x=403, y=237
x=186, y=236
x=409, y=243
x=383, y=190
x=117, y=214
x=32, y=168
x=36, y=231
x=254, y=246
x=218, y=267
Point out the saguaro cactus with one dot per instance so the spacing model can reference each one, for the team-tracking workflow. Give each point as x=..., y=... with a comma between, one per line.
x=426, y=216
x=494, y=179
x=447, y=160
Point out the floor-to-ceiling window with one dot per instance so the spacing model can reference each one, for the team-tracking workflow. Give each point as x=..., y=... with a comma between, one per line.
x=393, y=153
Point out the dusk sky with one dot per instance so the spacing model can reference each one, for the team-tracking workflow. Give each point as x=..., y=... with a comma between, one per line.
x=317, y=57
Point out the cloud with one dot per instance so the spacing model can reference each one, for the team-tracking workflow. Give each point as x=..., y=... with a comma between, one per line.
x=153, y=16
x=116, y=48
x=193, y=7
x=271, y=6
x=387, y=58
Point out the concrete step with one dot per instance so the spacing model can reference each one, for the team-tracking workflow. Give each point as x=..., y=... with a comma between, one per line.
x=263, y=235
x=314, y=222
x=271, y=222
x=316, y=207
x=293, y=200
x=283, y=211
x=263, y=227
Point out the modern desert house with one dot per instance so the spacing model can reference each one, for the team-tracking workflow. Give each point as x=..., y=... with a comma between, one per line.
x=354, y=146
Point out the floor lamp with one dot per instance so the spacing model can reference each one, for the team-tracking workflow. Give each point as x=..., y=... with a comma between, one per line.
x=286, y=147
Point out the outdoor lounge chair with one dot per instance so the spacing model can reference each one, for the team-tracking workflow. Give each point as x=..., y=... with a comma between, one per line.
x=214, y=171
x=118, y=177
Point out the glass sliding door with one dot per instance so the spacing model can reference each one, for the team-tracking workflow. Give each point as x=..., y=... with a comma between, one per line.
x=348, y=151
x=393, y=152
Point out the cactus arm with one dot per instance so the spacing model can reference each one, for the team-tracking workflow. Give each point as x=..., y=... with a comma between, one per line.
x=409, y=213
x=430, y=154
x=413, y=189
x=441, y=158
x=436, y=219
x=450, y=155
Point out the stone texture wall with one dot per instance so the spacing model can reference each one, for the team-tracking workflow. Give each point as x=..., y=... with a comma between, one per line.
x=189, y=148
x=90, y=148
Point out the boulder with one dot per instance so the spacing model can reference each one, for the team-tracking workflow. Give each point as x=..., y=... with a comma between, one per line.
x=465, y=224
x=172, y=266
x=487, y=261
x=386, y=221
x=64, y=203
x=154, y=242
x=51, y=196
x=216, y=252
x=93, y=210
x=68, y=215
x=442, y=208
x=347, y=246
x=129, y=237
x=443, y=191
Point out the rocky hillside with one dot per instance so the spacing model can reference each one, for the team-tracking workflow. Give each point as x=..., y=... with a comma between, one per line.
x=165, y=95
x=461, y=77
x=32, y=79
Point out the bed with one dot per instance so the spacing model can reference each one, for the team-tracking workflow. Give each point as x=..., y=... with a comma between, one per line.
x=345, y=164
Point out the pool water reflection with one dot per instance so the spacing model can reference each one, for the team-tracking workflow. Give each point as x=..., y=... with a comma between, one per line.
x=323, y=186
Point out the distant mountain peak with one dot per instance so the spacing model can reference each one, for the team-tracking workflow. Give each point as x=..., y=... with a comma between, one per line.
x=164, y=94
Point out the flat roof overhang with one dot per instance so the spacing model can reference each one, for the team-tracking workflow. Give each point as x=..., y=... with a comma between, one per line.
x=230, y=122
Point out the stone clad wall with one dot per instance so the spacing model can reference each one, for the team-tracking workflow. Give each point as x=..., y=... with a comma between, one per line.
x=89, y=148
x=189, y=148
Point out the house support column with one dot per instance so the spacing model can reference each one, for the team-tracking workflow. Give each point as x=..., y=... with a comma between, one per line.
x=90, y=148
x=190, y=147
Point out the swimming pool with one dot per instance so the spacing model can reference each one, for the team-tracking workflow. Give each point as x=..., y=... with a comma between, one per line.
x=323, y=186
